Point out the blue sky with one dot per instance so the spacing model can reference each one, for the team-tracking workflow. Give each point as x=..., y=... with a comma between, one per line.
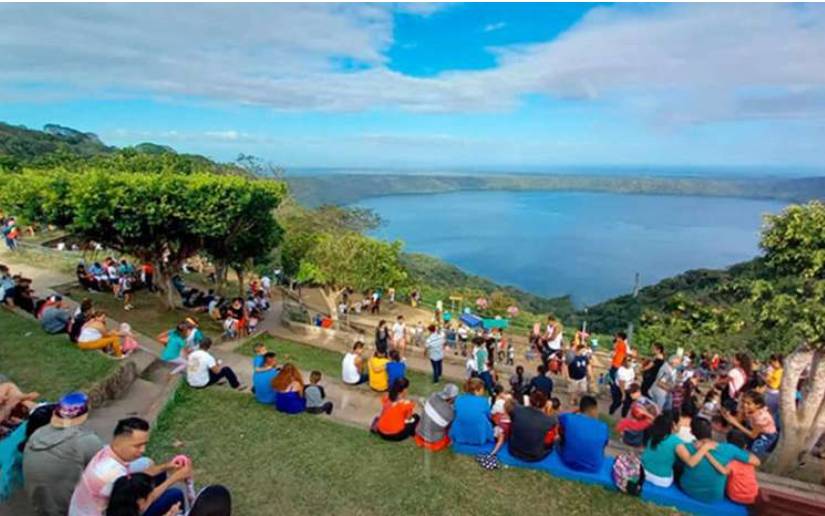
x=430, y=86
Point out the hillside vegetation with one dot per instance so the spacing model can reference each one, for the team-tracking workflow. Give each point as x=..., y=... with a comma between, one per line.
x=352, y=188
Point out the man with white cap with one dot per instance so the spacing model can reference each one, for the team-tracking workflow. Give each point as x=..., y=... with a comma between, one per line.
x=436, y=417
x=56, y=454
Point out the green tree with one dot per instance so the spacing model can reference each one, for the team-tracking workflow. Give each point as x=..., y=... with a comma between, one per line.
x=335, y=262
x=792, y=308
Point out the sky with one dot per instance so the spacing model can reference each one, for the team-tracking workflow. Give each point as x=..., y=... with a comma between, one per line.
x=430, y=86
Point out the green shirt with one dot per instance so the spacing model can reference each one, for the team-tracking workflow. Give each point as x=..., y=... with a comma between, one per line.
x=702, y=481
x=659, y=461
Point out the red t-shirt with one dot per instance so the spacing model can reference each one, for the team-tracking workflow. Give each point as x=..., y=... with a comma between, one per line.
x=742, y=485
x=394, y=416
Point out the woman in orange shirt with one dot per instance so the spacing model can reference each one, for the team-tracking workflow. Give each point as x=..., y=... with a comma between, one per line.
x=396, y=421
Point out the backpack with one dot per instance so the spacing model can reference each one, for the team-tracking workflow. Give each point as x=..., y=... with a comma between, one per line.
x=488, y=462
x=628, y=474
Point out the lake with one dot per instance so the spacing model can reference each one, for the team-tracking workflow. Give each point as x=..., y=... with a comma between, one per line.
x=588, y=245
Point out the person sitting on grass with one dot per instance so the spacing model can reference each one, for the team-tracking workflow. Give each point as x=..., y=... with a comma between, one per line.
x=121, y=458
x=352, y=366
x=315, y=396
x=262, y=379
x=438, y=414
x=203, y=370
x=174, y=342
x=130, y=495
x=214, y=500
x=260, y=355
x=379, y=379
x=761, y=428
x=396, y=367
x=472, y=425
x=397, y=420
x=54, y=318
x=79, y=318
x=530, y=427
x=583, y=437
x=700, y=479
x=56, y=454
x=660, y=450
x=500, y=414
x=289, y=388
x=95, y=335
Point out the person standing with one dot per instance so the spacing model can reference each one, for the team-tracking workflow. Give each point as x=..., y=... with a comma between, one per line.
x=578, y=370
x=56, y=455
x=382, y=337
x=651, y=368
x=399, y=334
x=435, y=351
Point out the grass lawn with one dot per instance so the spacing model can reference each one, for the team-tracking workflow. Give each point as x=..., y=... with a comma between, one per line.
x=278, y=464
x=149, y=315
x=49, y=364
x=329, y=362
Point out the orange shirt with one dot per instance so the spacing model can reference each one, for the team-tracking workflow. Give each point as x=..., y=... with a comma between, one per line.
x=394, y=415
x=619, y=352
x=742, y=485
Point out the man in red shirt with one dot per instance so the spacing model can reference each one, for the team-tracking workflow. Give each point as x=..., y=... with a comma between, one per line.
x=619, y=354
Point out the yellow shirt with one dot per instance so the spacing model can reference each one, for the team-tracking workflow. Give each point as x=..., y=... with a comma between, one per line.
x=774, y=379
x=379, y=381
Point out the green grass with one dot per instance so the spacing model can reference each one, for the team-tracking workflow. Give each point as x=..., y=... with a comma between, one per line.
x=149, y=316
x=278, y=464
x=49, y=364
x=329, y=362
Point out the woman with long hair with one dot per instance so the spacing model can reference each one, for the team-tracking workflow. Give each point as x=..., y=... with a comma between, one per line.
x=289, y=390
x=738, y=377
x=213, y=500
x=660, y=450
x=397, y=420
x=130, y=495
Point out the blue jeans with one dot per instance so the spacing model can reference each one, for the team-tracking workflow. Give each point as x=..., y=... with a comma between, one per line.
x=437, y=370
x=165, y=501
x=487, y=378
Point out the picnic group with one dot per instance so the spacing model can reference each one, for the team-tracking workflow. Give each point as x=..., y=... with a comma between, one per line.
x=699, y=425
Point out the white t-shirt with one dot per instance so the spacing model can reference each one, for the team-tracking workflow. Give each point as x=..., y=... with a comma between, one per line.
x=198, y=366
x=89, y=334
x=626, y=375
x=266, y=282
x=349, y=371
x=399, y=330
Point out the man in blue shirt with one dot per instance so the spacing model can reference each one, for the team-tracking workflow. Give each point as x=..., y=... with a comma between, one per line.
x=262, y=379
x=583, y=437
x=542, y=383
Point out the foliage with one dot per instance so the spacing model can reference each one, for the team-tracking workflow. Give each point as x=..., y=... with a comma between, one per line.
x=38, y=197
x=352, y=260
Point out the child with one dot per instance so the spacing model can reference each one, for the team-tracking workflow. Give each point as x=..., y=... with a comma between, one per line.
x=761, y=429
x=126, y=291
x=258, y=359
x=642, y=413
x=742, y=486
x=396, y=368
x=710, y=407
x=511, y=353
x=500, y=414
x=315, y=395
x=128, y=342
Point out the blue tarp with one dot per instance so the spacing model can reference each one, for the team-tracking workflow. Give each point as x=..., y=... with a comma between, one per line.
x=471, y=320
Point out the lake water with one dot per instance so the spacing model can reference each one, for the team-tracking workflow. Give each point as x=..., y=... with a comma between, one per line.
x=588, y=245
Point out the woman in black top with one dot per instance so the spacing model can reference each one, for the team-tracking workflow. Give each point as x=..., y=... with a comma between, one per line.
x=382, y=337
x=651, y=370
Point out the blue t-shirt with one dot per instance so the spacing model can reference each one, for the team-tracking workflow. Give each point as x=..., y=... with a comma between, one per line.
x=262, y=382
x=577, y=369
x=702, y=481
x=257, y=361
x=472, y=423
x=542, y=383
x=174, y=344
x=395, y=370
x=583, y=442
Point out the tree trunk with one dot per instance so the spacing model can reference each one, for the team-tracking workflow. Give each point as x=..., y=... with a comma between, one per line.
x=169, y=293
x=239, y=273
x=802, y=424
x=220, y=277
x=330, y=296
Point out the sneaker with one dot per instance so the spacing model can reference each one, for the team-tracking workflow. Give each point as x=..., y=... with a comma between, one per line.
x=240, y=388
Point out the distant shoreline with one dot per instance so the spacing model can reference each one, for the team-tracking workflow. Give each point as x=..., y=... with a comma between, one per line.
x=345, y=189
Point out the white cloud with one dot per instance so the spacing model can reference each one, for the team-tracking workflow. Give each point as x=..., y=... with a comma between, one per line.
x=672, y=64
x=490, y=27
